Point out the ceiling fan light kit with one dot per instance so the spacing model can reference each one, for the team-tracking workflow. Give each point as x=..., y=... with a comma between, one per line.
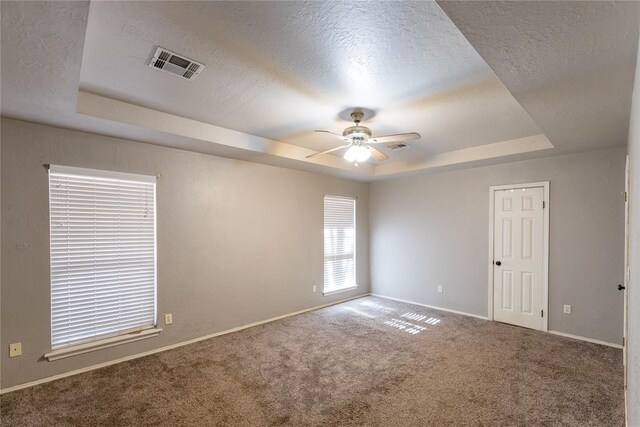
x=358, y=137
x=357, y=154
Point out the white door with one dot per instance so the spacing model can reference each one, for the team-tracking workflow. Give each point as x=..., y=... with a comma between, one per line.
x=626, y=270
x=518, y=257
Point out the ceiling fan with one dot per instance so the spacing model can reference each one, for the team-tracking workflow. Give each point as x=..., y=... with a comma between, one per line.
x=359, y=137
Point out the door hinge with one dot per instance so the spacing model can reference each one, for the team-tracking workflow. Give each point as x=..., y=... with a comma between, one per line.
x=626, y=195
x=541, y=313
x=544, y=204
x=623, y=341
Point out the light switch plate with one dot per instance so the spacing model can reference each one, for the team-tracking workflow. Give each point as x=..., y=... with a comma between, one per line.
x=567, y=309
x=168, y=318
x=439, y=289
x=15, y=349
x=314, y=289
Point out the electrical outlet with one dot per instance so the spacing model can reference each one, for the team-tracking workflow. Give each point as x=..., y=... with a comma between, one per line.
x=439, y=289
x=168, y=318
x=15, y=349
x=314, y=289
x=567, y=309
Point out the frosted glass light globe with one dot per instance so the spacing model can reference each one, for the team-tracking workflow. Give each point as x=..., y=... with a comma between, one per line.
x=357, y=153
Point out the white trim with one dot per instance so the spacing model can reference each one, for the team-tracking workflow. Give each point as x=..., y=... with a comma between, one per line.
x=562, y=334
x=169, y=347
x=467, y=156
x=545, y=256
x=591, y=340
x=218, y=138
x=337, y=291
x=99, y=173
x=625, y=307
x=100, y=344
x=431, y=306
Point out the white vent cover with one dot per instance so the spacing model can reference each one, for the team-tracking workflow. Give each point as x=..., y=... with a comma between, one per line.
x=176, y=64
x=398, y=146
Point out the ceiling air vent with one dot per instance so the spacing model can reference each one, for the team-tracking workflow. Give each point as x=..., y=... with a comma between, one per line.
x=397, y=146
x=176, y=64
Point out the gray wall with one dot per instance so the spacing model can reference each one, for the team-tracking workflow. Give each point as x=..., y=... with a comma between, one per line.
x=433, y=229
x=238, y=242
x=633, y=289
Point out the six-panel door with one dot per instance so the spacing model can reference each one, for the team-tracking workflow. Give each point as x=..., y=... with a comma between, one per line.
x=518, y=251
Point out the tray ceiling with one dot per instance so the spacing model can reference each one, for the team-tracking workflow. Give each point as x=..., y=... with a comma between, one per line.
x=278, y=70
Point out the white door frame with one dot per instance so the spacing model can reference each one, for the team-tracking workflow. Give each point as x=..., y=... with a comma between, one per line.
x=545, y=253
x=625, y=326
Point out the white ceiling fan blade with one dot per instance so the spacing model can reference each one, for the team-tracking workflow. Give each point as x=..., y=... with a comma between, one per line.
x=328, y=151
x=335, y=135
x=401, y=137
x=377, y=154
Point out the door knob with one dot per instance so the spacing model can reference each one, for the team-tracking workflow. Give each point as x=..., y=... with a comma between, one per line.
x=620, y=287
x=498, y=263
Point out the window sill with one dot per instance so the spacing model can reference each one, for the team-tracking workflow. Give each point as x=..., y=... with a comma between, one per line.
x=337, y=291
x=100, y=344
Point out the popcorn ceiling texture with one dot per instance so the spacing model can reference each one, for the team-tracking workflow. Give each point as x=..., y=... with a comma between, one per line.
x=356, y=363
x=570, y=64
x=41, y=79
x=304, y=62
x=299, y=61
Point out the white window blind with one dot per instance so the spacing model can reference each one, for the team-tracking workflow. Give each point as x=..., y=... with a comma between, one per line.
x=103, y=254
x=339, y=243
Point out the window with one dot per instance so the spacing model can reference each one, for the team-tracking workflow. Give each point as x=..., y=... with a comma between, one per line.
x=103, y=256
x=339, y=244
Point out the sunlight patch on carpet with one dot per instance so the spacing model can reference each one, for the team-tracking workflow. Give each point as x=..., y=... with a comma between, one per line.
x=421, y=318
x=408, y=327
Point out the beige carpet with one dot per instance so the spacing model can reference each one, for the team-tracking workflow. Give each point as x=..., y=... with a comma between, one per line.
x=369, y=361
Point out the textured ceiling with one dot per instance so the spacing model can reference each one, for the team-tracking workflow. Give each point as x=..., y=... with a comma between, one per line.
x=40, y=73
x=569, y=64
x=278, y=70
x=281, y=69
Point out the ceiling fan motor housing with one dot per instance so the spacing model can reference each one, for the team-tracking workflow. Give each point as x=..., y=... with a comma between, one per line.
x=357, y=134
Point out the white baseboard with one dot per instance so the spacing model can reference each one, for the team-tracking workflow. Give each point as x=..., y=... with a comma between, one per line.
x=578, y=337
x=261, y=322
x=575, y=337
x=431, y=306
x=169, y=347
